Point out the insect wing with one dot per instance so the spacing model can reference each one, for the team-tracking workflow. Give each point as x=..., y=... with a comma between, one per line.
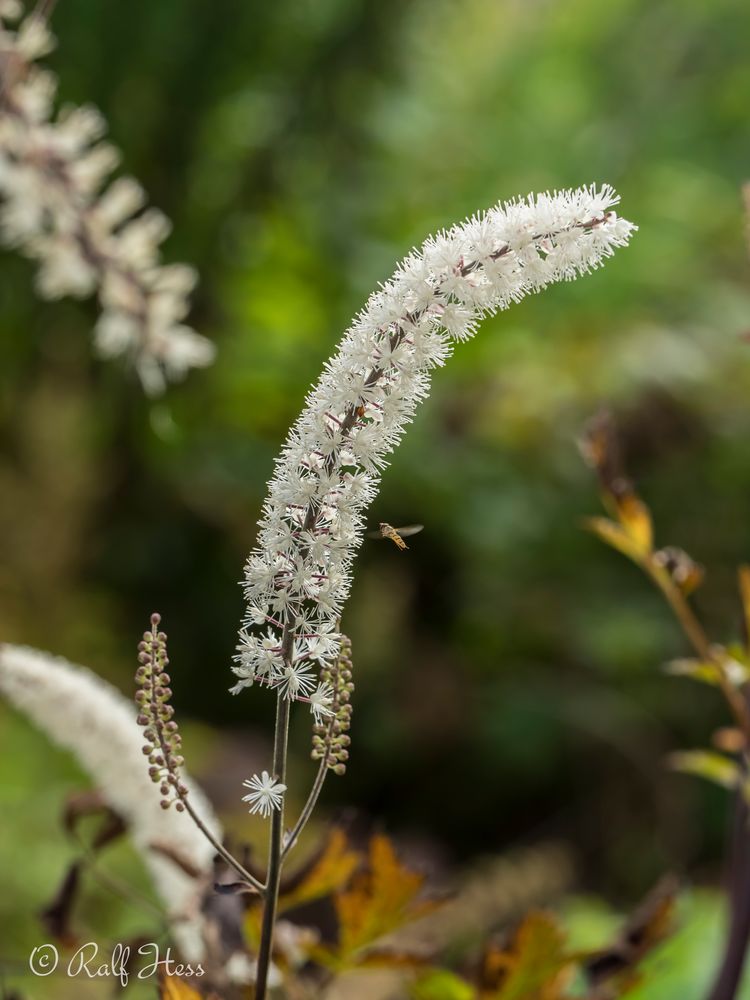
x=410, y=529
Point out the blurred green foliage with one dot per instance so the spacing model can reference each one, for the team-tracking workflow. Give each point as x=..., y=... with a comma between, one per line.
x=301, y=147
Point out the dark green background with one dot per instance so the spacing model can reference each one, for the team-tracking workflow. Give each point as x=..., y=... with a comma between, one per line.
x=508, y=666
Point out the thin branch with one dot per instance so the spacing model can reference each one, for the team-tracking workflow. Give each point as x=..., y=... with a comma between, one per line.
x=307, y=811
x=700, y=642
x=222, y=851
x=117, y=886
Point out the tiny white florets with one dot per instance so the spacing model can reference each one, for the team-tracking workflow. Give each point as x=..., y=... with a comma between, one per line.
x=266, y=794
x=329, y=469
x=320, y=702
x=297, y=680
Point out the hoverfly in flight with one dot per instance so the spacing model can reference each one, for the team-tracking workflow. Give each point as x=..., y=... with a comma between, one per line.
x=396, y=535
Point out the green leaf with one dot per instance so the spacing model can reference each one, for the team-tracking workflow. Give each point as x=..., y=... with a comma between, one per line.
x=714, y=767
x=616, y=537
x=697, y=670
x=439, y=984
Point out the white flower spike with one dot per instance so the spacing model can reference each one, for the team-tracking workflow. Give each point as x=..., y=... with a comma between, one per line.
x=298, y=577
x=266, y=794
x=79, y=711
x=86, y=236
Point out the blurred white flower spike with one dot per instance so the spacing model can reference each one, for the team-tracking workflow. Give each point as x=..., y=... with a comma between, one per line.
x=298, y=577
x=87, y=233
x=79, y=711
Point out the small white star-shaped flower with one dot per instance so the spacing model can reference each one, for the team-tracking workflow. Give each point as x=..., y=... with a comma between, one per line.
x=296, y=679
x=266, y=793
x=320, y=702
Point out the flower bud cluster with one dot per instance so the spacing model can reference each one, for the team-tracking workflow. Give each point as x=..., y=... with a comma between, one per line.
x=162, y=738
x=331, y=739
x=87, y=234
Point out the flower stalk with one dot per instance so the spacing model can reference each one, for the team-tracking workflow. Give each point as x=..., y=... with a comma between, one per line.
x=273, y=874
x=298, y=577
x=330, y=738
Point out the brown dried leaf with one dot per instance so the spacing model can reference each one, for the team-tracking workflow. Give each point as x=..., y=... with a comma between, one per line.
x=329, y=869
x=380, y=898
x=174, y=988
x=534, y=965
